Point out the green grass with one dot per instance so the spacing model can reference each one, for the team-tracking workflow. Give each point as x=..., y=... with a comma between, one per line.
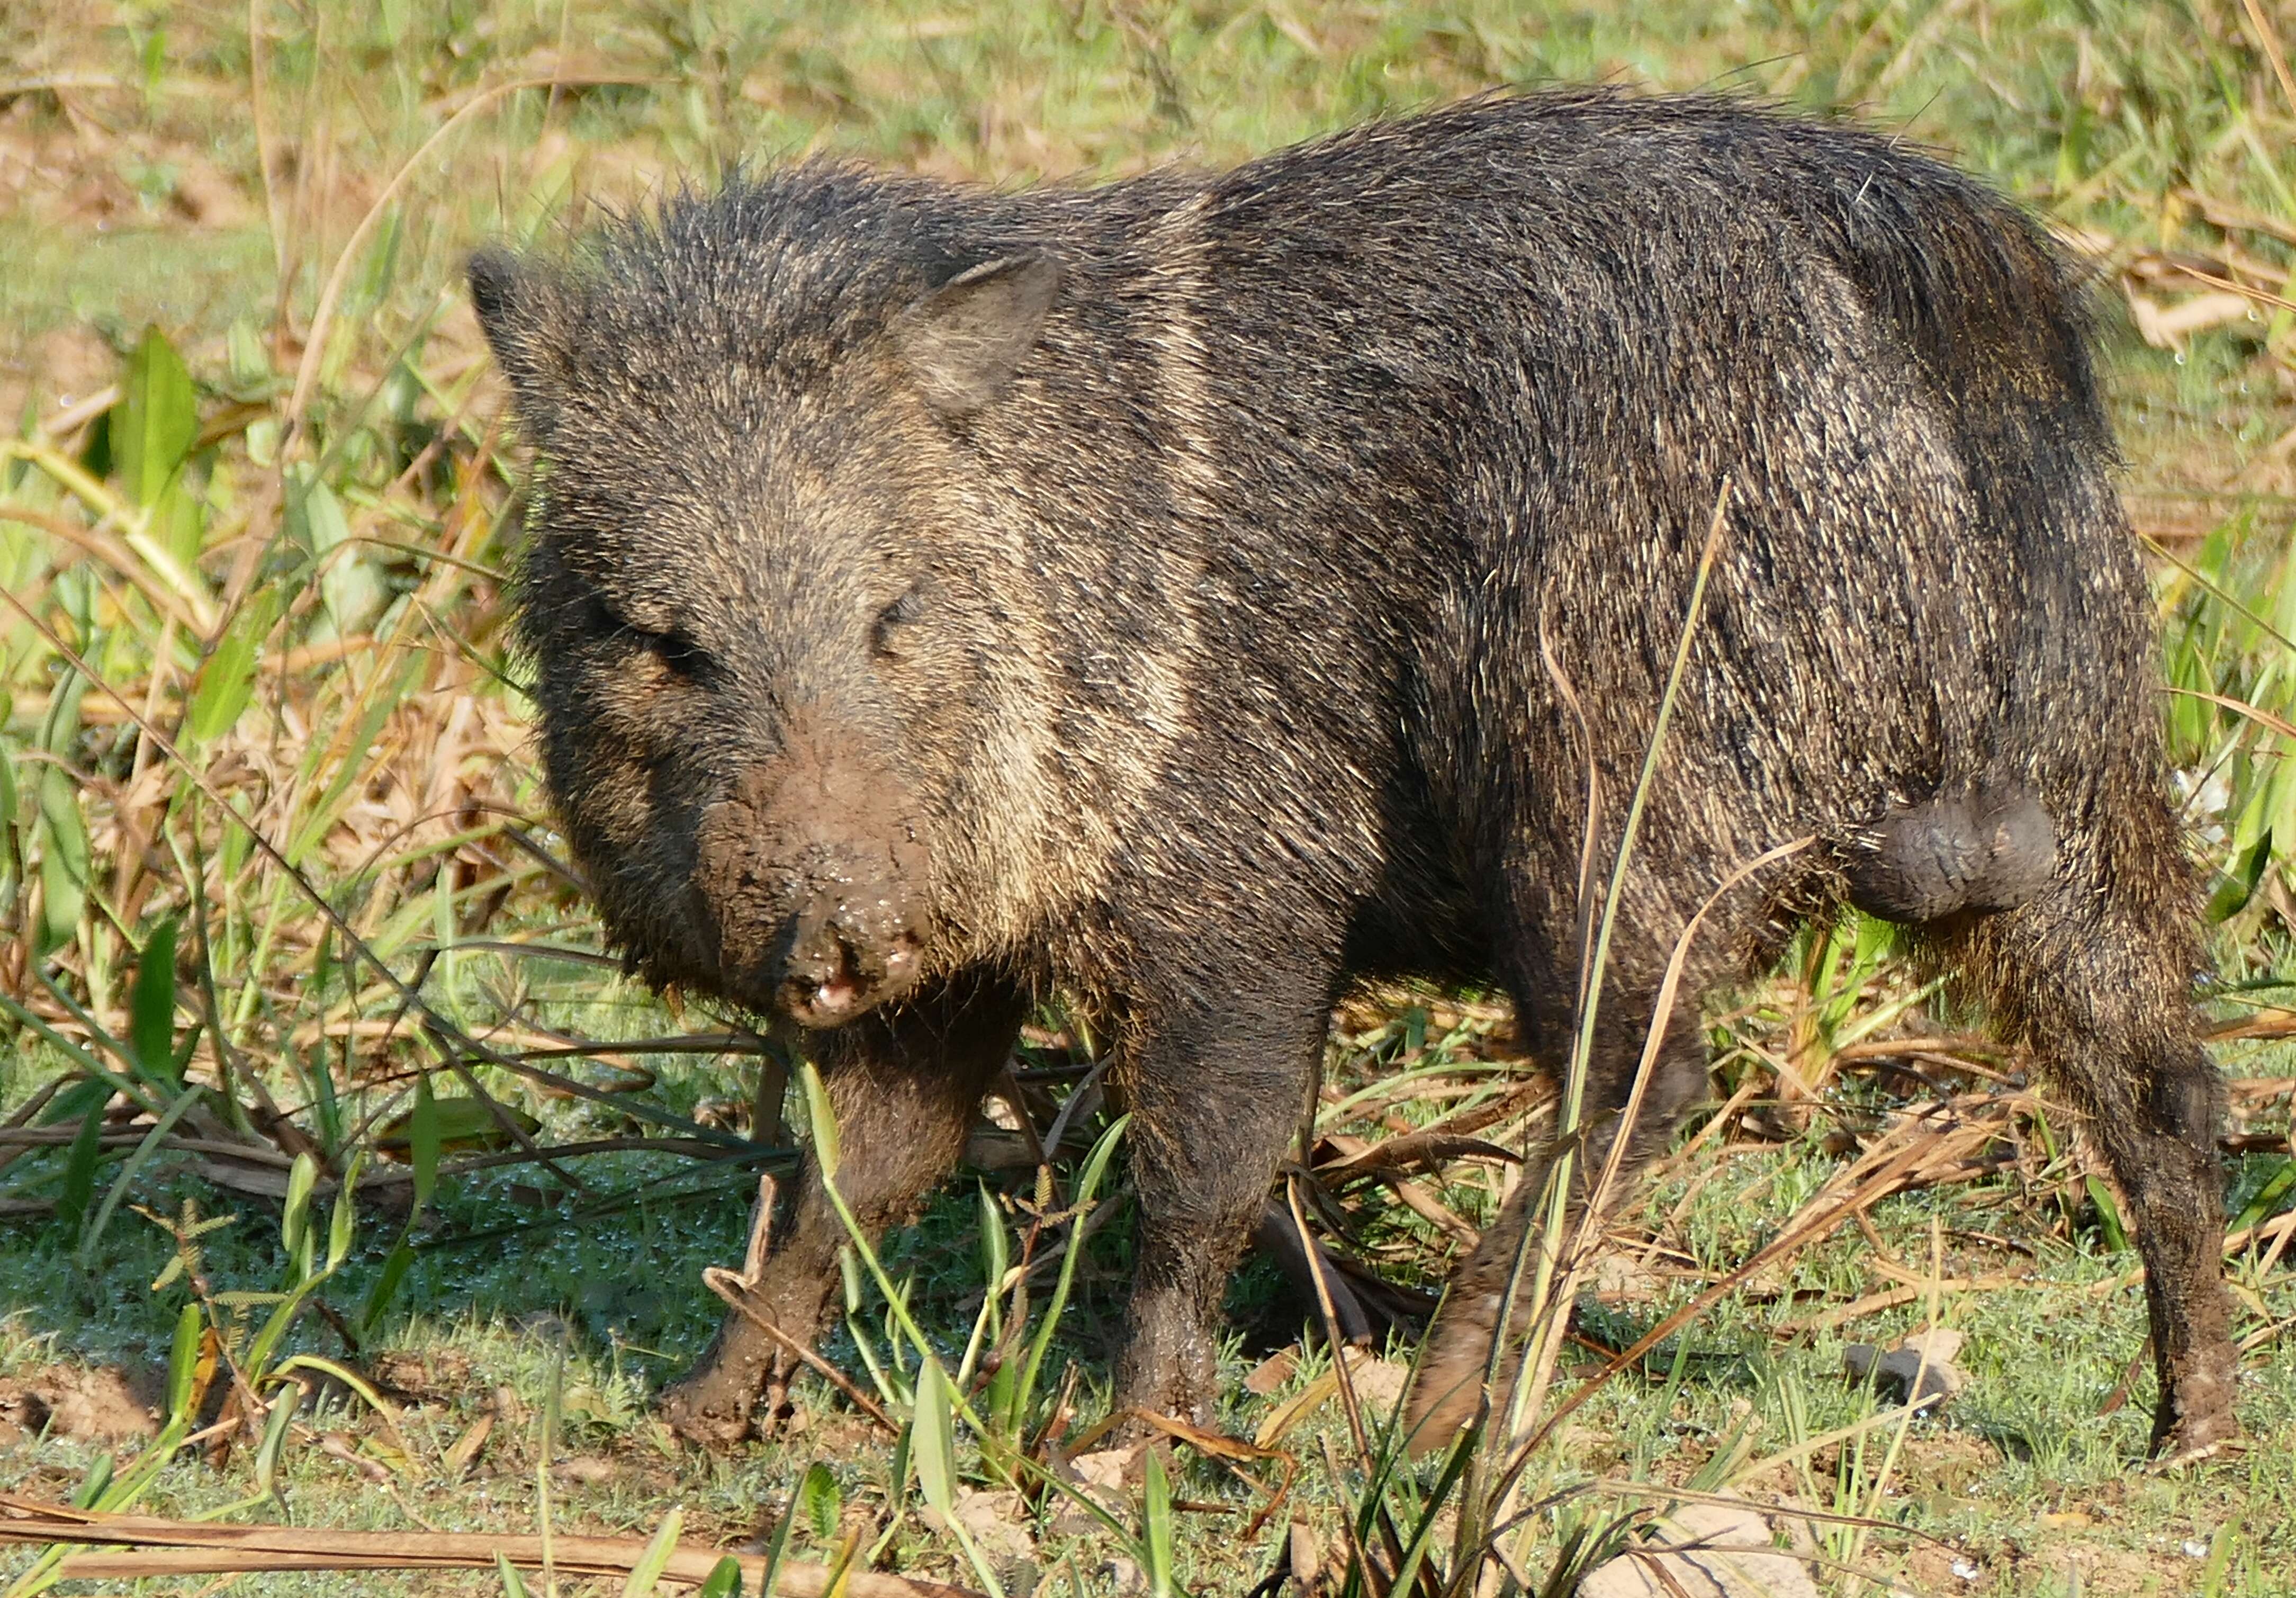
x=139, y=199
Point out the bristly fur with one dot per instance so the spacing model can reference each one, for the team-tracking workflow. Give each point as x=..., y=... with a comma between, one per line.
x=1168, y=565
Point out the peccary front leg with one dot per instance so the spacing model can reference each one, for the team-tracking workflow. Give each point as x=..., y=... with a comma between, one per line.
x=903, y=1084
x=1216, y=1091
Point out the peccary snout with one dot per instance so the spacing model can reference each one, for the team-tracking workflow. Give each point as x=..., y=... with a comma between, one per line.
x=811, y=875
x=848, y=945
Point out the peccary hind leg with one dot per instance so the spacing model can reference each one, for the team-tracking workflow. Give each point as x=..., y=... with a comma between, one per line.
x=2094, y=983
x=2166, y=1165
x=903, y=1084
x=1449, y=1388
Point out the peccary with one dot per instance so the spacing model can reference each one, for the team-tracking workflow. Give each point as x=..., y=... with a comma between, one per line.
x=1192, y=592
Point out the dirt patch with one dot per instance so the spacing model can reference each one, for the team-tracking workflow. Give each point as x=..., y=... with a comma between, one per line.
x=64, y=175
x=207, y=196
x=438, y=1376
x=1949, y=1462
x=99, y=1404
x=58, y=369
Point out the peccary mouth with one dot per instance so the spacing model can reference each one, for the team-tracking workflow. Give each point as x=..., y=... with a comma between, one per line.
x=807, y=875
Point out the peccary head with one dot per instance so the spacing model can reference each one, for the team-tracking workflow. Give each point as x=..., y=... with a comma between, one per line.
x=757, y=630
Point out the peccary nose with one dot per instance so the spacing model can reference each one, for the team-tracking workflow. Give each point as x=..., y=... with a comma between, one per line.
x=821, y=987
x=845, y=957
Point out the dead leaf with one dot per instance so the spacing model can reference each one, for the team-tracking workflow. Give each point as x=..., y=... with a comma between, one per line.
x=139, y=1547
x=342, y=1446
x=466, y=1448
x=1272, y=1372
x=1215, y=1443
x=993, y=1522
x=1622, y=1278
x=2169, y=327
x=1112, y=1471
x=1307, y=1560
x=204, y=1371
x=1380, y=1383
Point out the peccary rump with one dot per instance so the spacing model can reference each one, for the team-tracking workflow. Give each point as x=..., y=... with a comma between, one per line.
x=1192, y=592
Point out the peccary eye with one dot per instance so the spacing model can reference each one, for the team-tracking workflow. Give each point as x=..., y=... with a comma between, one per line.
x=676, y=650
x=884, y=633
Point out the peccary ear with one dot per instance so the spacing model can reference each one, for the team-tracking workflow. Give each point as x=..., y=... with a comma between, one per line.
x=502, y=291
x=962, y=341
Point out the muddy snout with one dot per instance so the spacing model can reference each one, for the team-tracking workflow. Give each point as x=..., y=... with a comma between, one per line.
x=814, y=883
x=851, y=944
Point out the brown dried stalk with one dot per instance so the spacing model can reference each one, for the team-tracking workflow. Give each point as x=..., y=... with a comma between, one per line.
x=142, y=1545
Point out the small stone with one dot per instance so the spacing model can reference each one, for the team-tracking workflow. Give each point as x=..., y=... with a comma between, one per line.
x=440, y=1373
x=1926, y=1357
x=587, y=1469
x=1704, y=1551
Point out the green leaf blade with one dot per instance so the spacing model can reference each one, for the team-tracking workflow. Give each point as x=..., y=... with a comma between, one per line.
x=645, y=1576
x=151, y=1009
x=227, y=680
x=820, y=1502
x=723, y=1580
x=158, y=419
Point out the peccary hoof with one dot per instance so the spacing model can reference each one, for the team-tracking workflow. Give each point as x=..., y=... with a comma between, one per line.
x=736, y=1389
x=1993, y=848
x=714, y=1419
